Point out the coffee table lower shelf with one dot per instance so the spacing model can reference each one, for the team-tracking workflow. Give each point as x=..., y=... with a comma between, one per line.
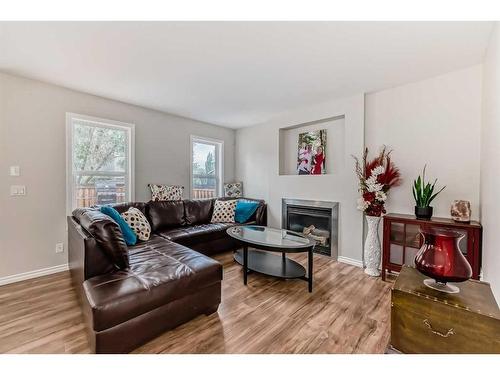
x=274, y=265
x=271, y=265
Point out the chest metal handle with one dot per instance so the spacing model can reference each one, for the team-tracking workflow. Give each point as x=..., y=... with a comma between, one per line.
x=450, y=332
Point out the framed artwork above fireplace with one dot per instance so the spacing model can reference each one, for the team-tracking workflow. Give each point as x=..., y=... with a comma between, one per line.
x=311, y=153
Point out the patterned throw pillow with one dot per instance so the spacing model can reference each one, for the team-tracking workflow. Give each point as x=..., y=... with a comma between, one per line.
x=166, y=192
x=224, y=211
x=233, y=190
x=138, y=222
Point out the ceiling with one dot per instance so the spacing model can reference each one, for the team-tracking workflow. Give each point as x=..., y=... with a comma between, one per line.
x=236, y=74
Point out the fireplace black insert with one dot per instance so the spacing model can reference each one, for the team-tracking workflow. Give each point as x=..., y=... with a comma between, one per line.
x=315, y=219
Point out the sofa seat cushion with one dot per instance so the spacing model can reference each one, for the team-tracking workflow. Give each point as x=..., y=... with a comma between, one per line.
x=173, y=234
x=203, y=229
x=201, y=232
x=160, y=271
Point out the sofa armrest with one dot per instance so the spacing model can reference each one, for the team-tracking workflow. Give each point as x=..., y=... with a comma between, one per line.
x=261, y=215
x=85, y=256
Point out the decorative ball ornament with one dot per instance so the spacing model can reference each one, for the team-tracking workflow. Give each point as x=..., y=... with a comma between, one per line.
x=460, y=211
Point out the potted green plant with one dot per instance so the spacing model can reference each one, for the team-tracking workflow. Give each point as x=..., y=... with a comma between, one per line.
x=424, y=194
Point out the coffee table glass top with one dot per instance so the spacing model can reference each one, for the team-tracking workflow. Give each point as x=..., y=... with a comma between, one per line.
x=279, y=238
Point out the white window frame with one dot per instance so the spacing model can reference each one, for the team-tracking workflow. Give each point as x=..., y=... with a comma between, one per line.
x=104, y=123
x=219, y=157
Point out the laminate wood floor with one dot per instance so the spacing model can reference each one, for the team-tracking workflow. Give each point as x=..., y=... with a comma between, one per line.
x=348, y=312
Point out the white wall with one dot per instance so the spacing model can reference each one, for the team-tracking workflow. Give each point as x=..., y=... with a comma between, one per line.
x=490, y=162
x=257, y=164
x=32, y=135
x=435, y=122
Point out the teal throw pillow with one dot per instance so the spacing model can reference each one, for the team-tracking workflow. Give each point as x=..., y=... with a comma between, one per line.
x=244, y=210
x=128, y=234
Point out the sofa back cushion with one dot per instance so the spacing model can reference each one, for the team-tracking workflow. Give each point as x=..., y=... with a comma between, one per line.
x=198, y=211
x=107, y=234
x=165, y=214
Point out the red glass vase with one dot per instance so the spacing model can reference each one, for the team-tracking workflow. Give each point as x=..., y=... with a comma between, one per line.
x=441, y=259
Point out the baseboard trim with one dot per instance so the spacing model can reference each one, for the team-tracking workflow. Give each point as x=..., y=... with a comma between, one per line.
x=33, y=274
x=352, y=262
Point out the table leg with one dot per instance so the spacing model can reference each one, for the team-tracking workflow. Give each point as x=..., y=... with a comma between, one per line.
x=245, y=264
x=310, y=270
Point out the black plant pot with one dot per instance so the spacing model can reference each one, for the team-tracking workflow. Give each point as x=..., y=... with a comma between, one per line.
x=423, y=213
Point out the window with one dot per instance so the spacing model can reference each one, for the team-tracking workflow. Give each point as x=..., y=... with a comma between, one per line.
x=100, y=161
x=206, y=167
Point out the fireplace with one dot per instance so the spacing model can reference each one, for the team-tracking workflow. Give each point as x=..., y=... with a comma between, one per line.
x=317, y=220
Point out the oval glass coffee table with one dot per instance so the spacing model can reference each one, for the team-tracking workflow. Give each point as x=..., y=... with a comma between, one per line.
x=272, y=240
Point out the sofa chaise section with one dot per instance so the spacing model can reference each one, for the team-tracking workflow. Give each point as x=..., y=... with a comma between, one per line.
x=166, y=281
x=162, y=276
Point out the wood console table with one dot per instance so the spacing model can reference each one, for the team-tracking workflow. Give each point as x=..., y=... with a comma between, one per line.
x=402, y=240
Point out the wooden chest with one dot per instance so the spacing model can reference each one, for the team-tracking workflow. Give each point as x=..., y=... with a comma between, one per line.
x=424, y=320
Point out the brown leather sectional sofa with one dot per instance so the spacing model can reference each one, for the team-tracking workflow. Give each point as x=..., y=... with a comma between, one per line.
x=131, y=294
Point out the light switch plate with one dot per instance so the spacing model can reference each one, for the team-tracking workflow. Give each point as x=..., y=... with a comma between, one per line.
x=59, y=247
x=14, y=170
x=16, y=190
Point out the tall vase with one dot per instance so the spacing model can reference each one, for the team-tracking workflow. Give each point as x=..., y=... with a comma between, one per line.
x=372, y=247
x=440, y=258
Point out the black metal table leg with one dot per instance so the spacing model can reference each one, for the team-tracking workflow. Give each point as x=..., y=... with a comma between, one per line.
x=310, y=270
x=245, y=264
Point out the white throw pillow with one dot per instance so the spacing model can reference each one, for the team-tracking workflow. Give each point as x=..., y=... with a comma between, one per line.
x=224, y=211
x=138, y=222
x=166, y=192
